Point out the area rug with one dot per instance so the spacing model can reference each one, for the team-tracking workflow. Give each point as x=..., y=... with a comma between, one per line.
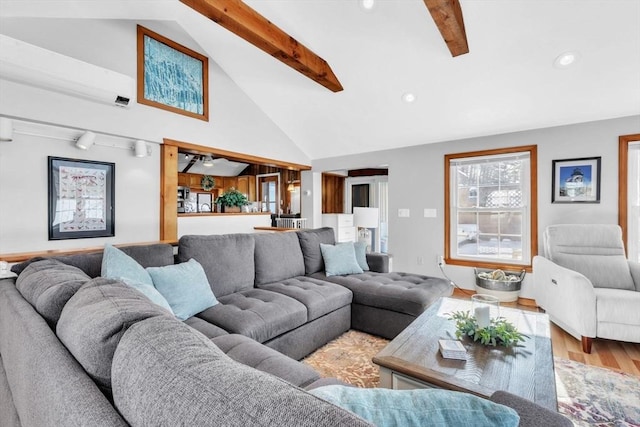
x=593, y=396
x=348, y=358
x=588, y=395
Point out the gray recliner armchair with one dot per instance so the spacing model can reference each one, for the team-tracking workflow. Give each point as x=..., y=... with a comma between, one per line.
x=586, y=284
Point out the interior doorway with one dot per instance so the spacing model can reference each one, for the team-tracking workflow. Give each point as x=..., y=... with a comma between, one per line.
x=371, y=192
x=268, y=192
x=629, y=193
x=360, y=196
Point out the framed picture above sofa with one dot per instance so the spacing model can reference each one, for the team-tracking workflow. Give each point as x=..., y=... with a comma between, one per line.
x=576, y=180
x=81, y=199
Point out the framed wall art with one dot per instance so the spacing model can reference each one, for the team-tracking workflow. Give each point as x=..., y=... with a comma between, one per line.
x=204, y=202
x=576, y=180
x=171, y=76
x=81, y=199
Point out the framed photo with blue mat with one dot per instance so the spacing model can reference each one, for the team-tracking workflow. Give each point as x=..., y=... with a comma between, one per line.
x=171, y=76
x=81, y=199
x=576, y=180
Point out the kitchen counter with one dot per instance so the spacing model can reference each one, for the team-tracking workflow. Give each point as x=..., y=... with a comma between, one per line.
x=192, y=214
x=221, y=223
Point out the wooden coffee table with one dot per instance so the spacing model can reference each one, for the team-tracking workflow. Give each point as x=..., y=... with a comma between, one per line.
x=413, y=360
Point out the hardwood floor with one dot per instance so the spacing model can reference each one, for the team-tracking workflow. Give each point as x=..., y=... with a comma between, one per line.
x=616, y=355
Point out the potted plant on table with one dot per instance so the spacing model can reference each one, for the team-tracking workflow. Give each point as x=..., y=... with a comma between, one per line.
x=499, y=331
x=232, y=201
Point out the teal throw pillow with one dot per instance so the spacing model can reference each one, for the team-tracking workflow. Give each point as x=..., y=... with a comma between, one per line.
x=118, y=265
x=150, y=292
x=340, y=259
x=361, y=255
x=185, y=287
x=426, y=407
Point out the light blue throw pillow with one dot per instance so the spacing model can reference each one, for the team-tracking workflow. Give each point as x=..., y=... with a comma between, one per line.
x=340, y=259
x=361, y=255
x=185, y=287
x=118, y=265
x=427, y=407
x=150, y=292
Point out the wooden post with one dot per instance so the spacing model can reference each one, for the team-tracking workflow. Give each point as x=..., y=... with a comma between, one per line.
x=168, y=192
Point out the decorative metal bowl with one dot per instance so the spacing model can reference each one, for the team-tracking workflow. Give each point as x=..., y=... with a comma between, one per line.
x=503, y=285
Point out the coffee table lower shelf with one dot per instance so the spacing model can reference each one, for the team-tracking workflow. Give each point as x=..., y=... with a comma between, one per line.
x=397, y=381
x=421, y=377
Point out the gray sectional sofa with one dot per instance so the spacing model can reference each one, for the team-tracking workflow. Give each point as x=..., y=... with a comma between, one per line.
x=80, y=349
x=272, y=288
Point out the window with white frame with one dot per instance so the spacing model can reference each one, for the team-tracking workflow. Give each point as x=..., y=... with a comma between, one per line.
x=490, y=207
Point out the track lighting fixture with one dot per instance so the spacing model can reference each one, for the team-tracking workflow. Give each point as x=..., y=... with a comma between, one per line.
x=86, y=140
x=141, y=148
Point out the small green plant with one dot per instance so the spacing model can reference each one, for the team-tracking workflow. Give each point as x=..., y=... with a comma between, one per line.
x=232, y=197
x=499, y=332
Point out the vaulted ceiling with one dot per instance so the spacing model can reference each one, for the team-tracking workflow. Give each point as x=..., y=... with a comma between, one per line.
x=507, y=82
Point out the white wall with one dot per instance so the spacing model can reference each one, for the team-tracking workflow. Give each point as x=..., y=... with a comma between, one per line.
x=235, y=124
x=416, y=182
x=235, y=121
x=311, y=198
x=24, y=190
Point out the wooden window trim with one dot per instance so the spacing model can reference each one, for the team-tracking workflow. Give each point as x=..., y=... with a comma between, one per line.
x=623, y=162
x=533, y=203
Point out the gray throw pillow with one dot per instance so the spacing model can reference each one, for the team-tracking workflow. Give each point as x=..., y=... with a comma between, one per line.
x=310, y=244
x=48, y=284
x=94, y=320
x=361, y=255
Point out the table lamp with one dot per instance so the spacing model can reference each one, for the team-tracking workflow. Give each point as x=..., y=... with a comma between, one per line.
x=364, y=219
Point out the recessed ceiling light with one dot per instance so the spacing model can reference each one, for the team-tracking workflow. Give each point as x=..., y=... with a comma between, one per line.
x=367, y=4
x=565, y=59
x=408, y=97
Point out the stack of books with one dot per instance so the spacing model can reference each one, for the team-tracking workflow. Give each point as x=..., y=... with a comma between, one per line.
x=452, y=349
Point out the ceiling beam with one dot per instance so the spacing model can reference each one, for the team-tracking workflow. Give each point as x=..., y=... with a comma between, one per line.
x=447, y=15
x=240, y=19
x=192, y=162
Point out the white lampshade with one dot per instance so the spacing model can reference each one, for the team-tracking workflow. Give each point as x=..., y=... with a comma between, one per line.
x=86, y=140
x=365, y=217
x=6, y=129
